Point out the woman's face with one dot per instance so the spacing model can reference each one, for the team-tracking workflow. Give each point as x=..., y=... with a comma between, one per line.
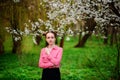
x=50, y=38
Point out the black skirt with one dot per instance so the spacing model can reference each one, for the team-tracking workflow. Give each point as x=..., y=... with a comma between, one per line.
x=51, y=74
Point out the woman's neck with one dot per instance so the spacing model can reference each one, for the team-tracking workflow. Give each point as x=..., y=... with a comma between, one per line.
x=51, y=46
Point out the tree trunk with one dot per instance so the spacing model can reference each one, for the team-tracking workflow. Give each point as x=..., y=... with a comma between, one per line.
x=38, y=39
x=112, y=38
x=16, y=46
x=91, y=25
x=106, y=36
x=83, y=40
x=15, y=24
x=62, y=42
x=80, y=35
x=1, y=47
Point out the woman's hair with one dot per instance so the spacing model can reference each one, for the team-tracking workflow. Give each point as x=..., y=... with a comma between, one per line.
x=55, y=35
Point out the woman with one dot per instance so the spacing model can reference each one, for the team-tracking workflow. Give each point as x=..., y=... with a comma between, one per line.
x=50, y=58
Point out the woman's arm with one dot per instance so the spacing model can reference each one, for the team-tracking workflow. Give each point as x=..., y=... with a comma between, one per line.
x=56, y=60
x=43, y=64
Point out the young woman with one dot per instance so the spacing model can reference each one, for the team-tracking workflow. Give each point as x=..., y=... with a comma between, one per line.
x=50, y=58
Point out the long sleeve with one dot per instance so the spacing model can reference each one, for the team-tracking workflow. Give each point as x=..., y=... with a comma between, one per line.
x=56, y=60
x=43, y=63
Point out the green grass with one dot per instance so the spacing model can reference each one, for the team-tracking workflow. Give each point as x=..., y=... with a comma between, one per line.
x=93, y=62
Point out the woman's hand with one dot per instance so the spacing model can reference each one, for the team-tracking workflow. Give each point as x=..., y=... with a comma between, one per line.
x=47, y=51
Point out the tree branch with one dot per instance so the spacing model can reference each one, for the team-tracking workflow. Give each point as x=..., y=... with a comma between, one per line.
x=114, y=9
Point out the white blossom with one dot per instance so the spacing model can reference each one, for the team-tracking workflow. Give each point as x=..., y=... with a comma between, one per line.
x=37, y=23
x=67, y=38
x=34, y=40
x=83, y=33
x=27, y=31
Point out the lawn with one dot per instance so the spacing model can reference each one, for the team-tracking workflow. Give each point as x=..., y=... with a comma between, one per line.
x=95, y=61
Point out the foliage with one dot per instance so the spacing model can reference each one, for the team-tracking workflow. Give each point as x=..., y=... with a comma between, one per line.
x=60, y=15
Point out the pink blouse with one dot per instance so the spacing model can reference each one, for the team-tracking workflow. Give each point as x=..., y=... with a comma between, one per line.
x=52, y=60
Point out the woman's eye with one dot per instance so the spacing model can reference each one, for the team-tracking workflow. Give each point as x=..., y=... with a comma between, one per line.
x=48, y=37
x=52, y=37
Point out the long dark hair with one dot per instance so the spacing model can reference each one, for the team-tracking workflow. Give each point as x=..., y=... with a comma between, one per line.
x=55, y=35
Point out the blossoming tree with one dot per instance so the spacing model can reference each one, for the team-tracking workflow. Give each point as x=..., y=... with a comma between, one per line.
x=62, y=16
